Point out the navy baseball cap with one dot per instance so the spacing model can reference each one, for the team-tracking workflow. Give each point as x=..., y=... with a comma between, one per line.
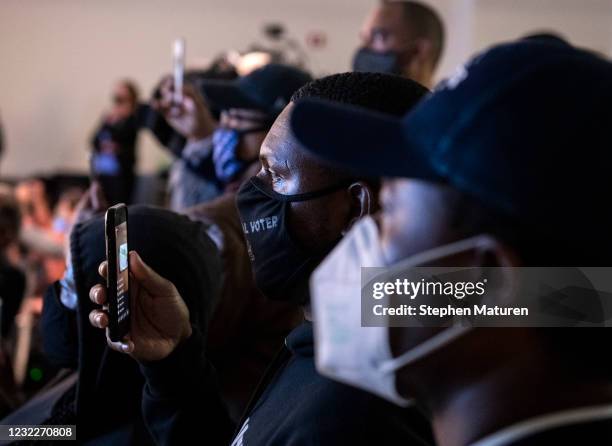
x=266, y=89
x=525, y=127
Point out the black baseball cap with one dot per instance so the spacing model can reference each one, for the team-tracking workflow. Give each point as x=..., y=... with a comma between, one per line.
x=268, y=89
x=525, y=127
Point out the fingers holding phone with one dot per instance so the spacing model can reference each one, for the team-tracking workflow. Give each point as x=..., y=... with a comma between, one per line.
x=181, y=104
x=191, y=117
x=159, y=317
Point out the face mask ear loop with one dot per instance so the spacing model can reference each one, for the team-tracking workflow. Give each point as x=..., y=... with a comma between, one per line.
x=509, y=283
x=441, y=339
x=449, y=334
x=294, y=198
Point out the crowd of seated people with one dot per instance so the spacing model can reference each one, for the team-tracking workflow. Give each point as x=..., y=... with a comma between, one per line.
x=245, y=278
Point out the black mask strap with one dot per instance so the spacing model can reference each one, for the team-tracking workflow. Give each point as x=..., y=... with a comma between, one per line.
x=263, y=188
x=256, y=129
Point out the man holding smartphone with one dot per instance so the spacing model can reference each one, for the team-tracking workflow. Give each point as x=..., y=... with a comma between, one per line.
x=293, y=403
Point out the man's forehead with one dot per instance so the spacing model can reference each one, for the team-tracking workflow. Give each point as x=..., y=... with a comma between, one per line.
x=278, y=137
x=281, y=146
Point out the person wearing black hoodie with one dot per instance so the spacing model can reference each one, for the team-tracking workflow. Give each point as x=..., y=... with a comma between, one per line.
x=107, y=383
x=293, y=212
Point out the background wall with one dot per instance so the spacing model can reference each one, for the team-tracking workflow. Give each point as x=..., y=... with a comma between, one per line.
x=60, y=58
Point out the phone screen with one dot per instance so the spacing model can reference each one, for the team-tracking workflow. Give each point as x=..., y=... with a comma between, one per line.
x=178, y=53
x=121, y=249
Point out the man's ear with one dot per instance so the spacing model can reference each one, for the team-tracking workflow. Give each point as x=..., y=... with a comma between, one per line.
x=422, y=49
x=361, y=202
x=481, y=251
x=495, y=254
x=502, y=285
x=419, y=60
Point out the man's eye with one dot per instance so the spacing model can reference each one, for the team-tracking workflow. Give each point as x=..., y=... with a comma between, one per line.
x=271, y=174
x=275, y=178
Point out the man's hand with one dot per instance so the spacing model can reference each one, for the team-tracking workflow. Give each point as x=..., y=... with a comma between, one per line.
x=159, y=316
x=191, y=118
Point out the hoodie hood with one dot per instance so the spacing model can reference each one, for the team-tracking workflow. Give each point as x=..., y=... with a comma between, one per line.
x=173, y=245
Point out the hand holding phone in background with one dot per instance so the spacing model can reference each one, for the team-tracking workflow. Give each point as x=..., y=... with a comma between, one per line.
x=182, y=105
x=191, y=118
x=178, y=53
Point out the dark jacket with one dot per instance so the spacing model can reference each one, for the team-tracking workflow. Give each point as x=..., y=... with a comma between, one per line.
x=124, y=134
x=293, y=406
x=12, y=288
x=581, y=426
x=246, y=329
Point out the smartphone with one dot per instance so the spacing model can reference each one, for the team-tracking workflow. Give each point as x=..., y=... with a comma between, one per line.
x=1, y=318
x=178, y=58
x=118, y=277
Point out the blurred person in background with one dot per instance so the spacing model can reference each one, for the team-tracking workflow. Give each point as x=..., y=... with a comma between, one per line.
x=547, y=36
x=401, y=37
x=12, y=289
x=1, y=140
x=249, y=106
x=151, y=118
x=225, y=152
x=34, y=203
x=113, y=158
x=47, y=210
x=12, y=279
x=64, y=212
x=486, y=189
x=42, y=247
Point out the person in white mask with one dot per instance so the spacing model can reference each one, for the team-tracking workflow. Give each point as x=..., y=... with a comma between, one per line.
x=502, y=165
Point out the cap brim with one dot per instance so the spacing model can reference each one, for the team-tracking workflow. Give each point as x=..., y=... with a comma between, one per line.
x=365, y=142
x=224, y=95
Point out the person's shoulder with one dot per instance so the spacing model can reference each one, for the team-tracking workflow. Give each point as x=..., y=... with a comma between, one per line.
x=11, y=276
x=579, y=433
x=353, y=415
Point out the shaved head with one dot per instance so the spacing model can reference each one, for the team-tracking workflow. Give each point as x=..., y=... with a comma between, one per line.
x=422, y=23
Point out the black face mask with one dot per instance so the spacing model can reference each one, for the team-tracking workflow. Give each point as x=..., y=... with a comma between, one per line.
x=281, y=267
x=375, y=62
